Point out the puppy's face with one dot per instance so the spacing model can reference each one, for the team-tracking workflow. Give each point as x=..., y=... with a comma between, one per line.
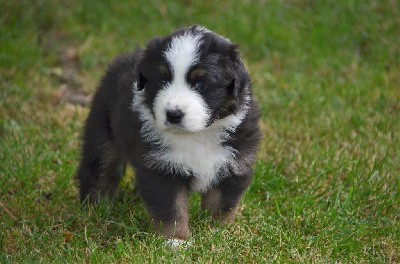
x=191, y=79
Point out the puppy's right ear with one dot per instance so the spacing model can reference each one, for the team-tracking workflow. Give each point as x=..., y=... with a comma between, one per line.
x=141, y=82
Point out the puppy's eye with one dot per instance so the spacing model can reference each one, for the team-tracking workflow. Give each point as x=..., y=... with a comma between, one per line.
x=198, y=86
x=165, y=72
x=197, y=74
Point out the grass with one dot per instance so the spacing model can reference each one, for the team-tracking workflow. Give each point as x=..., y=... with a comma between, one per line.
x=326, y=185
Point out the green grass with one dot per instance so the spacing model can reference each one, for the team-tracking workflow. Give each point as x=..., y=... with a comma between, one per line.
x=326, y=185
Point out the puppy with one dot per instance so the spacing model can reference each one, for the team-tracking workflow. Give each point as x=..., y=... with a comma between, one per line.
x=182, y=113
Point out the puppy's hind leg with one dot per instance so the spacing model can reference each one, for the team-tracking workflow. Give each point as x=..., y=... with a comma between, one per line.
x=100, y=172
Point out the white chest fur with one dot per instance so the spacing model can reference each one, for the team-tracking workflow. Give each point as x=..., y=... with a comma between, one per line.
x=200, y=154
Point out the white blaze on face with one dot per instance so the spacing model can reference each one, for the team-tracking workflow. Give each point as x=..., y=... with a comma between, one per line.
x=181, y=54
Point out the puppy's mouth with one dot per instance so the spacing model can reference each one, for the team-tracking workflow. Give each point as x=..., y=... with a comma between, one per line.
x=177, y=129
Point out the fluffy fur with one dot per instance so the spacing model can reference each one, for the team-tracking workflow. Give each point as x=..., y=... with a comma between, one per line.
x=182, y=113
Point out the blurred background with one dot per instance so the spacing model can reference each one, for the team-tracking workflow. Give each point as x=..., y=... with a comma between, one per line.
x=326, y=76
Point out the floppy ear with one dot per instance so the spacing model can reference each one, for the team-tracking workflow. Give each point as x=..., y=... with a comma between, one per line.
x=141, y=81
x=150, y=51
x=241, y=77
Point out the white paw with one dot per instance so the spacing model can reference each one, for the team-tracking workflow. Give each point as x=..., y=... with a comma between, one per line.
x=175, y=243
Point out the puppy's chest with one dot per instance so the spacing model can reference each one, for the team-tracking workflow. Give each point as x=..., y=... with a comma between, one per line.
x=203, y=157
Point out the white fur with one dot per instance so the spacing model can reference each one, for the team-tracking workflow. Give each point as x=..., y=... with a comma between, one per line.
x=177, y=95
x=182, y=53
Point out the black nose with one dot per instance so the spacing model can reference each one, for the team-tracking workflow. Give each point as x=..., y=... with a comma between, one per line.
x=174, y=116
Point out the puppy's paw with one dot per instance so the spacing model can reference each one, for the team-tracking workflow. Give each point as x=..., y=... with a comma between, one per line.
x=214, y=230
x=176, y=243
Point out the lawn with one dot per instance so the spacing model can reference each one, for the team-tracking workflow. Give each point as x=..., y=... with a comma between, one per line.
x=326, y=184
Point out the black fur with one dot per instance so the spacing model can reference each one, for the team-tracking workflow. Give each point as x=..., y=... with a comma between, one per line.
x=112, y=135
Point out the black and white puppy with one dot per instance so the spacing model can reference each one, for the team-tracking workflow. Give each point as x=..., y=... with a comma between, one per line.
x=182, y=113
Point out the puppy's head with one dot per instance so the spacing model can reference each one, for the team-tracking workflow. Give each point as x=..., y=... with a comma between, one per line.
x=190, y=79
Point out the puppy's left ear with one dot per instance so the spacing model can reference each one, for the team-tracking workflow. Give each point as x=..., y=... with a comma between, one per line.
x=241, y=77
x=151, y=46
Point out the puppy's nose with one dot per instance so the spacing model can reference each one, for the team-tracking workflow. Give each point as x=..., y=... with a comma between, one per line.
x=174, y=116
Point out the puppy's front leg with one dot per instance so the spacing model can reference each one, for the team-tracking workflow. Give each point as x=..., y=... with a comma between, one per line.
x=166, y=199
x=223, y=199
